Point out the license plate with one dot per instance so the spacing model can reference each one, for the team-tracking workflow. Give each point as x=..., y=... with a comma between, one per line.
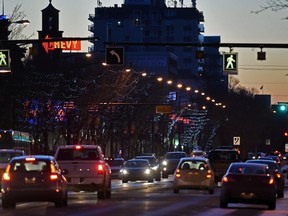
x=75, y=180
x=30, y=180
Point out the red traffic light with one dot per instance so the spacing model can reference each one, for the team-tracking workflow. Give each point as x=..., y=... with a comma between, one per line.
x=286, y=134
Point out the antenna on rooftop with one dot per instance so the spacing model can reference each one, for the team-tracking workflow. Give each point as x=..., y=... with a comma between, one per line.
x=3, y=7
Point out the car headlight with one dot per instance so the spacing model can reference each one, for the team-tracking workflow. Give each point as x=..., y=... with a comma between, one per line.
x=147, y=171
x=124, y=171
x=164, y=163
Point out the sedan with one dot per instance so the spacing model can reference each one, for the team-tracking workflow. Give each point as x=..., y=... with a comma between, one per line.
x=194, y=173
x=275, y=171
x=136, y=169
x=153, y=161
x=33, y=178
x=248, y=183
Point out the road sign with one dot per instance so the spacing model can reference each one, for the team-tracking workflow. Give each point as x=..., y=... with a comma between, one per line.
x=230, y=63
x=115, y=56
x=5, y=61
x=236, y=140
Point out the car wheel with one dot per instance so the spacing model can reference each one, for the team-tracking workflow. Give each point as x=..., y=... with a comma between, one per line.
x=6, y=203
x=272, y=205
x=102, y=193
x=280, y=194
x=223, y=202
x=211, y=191
x=164, y=175
x=176, y=190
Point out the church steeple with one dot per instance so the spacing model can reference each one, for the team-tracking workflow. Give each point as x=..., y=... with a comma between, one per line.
x=50, y=22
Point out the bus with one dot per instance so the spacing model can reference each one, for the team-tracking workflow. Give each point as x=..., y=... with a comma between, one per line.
x=11, y=139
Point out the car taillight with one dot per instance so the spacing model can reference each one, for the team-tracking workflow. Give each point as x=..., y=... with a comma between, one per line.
x=53, y=175
x=100, y=169
x=30, y=159
x=6, y=177
x=271, y=181
x=177, y=173
x=78, y=147
x=209, y=174
x=278, y=175
x=225, y=179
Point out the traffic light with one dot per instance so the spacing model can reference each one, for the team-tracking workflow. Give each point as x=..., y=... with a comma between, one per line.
x=279, y=108
x=286, y=133
x=4, y=24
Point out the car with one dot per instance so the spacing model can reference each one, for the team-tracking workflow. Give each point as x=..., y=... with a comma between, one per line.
x=85, y=168
x=275, y=158
x=220, y=160
x=33, y=178
x=170, y=162
x=193, y=173
x=198, y=153
x=248, y=183
x=285, y=156
x=115, y=166
x=275, y=170
x=135, y=170
x=154, y=163
x=6, y=155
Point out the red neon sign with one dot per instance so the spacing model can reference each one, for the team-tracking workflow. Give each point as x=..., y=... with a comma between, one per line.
x=64, y=45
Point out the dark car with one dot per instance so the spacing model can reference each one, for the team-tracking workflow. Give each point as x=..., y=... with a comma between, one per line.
x=248, y=183
x=154, y=163
x=220, y=160
x=136, y=169
x=275, y=171
x=115, y=166
x=170, y=162
x=33, y=178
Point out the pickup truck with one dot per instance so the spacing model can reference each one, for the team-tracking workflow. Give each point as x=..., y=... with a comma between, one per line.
x=85, y=169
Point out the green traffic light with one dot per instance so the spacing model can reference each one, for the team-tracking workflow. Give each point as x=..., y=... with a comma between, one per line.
x=282, y=108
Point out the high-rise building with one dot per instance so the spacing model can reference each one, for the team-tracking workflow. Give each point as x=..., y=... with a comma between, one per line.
x=168, y=28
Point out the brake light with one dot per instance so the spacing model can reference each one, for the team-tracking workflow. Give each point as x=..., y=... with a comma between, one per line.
x=278, y=175
x=78, y=147
x=30, y=159
x=53, y=177
x=100, y=169
x=177, y=174
x=225, y=179
x=209, y=174
x=6, y=176
x=271, y=181
x=52, y=168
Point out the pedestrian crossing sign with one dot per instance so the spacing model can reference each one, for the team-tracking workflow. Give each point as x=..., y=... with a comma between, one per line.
x=5, y=61
x=230, y=63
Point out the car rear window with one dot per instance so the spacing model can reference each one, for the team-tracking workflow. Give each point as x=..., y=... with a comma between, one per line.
x=77, y=154
x=27, y=166
x=198, y=165
x=136, y=164
x=175, y=155
x=252, y=170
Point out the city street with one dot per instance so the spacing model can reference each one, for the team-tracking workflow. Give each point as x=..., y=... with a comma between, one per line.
x=141, y=199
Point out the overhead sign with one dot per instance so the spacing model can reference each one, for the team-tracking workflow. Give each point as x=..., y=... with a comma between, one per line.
x=5, y=61
x=63, y=45
x=163, y=109
x=115, y=56
x=230, y=63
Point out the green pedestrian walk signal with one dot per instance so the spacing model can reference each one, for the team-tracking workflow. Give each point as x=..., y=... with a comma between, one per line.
x=230, y=63
x=5, y=61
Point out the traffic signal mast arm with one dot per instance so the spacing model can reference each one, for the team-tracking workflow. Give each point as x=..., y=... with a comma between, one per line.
x=229, y=45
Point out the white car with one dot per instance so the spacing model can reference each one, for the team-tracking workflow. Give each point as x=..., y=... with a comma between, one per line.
x=85, y=169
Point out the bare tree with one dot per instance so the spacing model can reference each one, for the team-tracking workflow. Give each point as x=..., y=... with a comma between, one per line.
x=273, y=5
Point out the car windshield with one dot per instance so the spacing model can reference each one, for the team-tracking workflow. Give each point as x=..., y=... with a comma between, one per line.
x=78, y=154
x=151, y=160
x=136, y=164
x=26, y=166
x=175, y=155
x=5, y=157
x=115, y=162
